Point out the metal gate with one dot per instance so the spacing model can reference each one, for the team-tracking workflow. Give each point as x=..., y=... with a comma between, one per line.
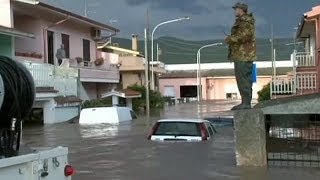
x=293, y=140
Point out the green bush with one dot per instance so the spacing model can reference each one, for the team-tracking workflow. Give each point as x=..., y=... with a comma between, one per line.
x=264, y=93
x=156, y=99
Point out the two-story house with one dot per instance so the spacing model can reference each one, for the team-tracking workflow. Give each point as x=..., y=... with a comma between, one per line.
x=304, y=77
x=83, y=74
x=132, y=64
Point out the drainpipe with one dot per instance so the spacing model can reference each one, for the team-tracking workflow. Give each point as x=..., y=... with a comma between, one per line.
x=45, y=35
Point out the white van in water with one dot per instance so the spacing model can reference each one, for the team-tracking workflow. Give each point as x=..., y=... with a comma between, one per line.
x=110, y=115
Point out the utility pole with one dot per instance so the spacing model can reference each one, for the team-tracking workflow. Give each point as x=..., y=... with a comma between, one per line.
x=147, y=65
x=272, y=49
x=146, y=70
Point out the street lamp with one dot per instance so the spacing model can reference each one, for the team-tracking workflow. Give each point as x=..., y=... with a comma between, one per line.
x=199, y=92
x=152, y=35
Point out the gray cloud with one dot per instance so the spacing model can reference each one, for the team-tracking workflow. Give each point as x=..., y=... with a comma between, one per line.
x=185, y=6
x=209, y=18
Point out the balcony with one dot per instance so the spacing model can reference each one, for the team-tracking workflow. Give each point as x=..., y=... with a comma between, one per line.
x=89, y=72
x=135, y=63
x=307, y=81
x=303, y=83
x=64, y=80
x=305, y=59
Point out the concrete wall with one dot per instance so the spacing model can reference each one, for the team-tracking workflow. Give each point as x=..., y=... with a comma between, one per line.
x=91, y=90
x=131, y=78
x=105, y=87
x=88, y=91
x=250, y=138
x=30, y=25
x=35, y=25
x=6, y=45
x=213, y=88
x=64, y=114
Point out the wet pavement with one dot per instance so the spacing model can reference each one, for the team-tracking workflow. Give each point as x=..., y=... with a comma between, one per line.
x=106, y=152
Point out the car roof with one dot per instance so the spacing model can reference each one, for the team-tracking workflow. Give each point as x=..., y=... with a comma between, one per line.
x=183, y=120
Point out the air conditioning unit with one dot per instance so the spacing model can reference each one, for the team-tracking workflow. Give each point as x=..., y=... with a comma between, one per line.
x=96, y=34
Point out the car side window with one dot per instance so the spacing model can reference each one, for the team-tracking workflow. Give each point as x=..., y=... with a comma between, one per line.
x=211, y=132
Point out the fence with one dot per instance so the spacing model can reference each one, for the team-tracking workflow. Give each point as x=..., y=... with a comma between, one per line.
x=293, y=141
x=283, y=86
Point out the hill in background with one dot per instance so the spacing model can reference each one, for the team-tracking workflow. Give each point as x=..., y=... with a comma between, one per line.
x=179, y=51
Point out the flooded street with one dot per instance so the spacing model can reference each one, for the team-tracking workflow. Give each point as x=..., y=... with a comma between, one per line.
x=106, y=152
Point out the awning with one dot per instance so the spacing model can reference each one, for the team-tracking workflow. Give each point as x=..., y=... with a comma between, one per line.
x=119, y=50
x=14, y=32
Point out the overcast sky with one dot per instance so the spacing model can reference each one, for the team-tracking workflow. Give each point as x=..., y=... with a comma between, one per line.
x=209, y=18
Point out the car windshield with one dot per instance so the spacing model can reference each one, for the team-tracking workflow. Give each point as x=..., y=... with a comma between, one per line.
x=178, y=129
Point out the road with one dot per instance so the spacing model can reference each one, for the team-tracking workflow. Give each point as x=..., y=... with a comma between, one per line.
x=106, y=152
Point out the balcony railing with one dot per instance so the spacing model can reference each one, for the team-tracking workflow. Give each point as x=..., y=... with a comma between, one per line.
x=64, y=80
x=89, y=72
x=283, y=86
x=306, y=81
x=305, y=59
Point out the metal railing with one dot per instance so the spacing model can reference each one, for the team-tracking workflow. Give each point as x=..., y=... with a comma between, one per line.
x=62, y=79
x=293, y=141
x=305, y=59
x=306, y=80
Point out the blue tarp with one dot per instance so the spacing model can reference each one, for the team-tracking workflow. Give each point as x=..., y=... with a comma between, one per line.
x=254, y=73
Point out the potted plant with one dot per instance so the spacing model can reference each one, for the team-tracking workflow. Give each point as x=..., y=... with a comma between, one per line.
x=79, y=59
x=99, y=61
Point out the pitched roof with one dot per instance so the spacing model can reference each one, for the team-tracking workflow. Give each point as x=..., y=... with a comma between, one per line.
x=43, y=7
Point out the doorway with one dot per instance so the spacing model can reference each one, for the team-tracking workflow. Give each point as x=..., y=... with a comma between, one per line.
x=50, y=38
x=66, y=42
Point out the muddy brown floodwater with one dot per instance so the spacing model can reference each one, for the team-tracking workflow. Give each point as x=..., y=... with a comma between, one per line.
x=107, y=152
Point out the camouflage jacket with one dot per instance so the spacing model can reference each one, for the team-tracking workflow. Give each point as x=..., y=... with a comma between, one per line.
x=242, y=43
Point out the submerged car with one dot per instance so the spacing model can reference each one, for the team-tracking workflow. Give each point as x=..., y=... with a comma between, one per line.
x=192, y=130
x=109, y=115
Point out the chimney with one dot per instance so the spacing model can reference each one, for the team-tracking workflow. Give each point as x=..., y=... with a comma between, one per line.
x=135, y=42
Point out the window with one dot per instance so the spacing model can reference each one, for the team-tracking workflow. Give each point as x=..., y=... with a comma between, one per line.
x=86, y=52
x=66, y=42
x=231, y=96
x=169, y=91
x=211, y=131
x=178, y=129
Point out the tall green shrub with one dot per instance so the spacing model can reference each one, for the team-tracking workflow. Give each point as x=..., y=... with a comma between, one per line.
x=264, y=93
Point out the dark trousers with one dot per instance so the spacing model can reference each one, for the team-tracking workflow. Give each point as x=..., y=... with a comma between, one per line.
x=243, y=72
x=59, y=61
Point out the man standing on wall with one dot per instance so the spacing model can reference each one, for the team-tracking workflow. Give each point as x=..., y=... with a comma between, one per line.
x=242, y=51
x=61, y=54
